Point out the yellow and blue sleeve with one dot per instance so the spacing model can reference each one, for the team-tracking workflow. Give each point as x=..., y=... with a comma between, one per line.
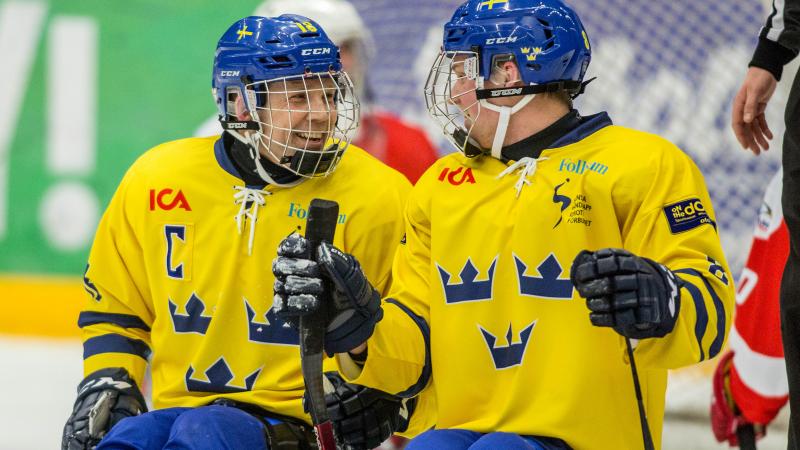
x=401, y=366
x=678, y=229
x=115, y=321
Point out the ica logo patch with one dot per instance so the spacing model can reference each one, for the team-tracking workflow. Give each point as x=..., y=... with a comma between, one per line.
x=168, y=199
x=686, y=215
x=457, y=176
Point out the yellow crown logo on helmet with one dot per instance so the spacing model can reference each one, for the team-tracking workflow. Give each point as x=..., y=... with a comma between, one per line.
x=532, y=56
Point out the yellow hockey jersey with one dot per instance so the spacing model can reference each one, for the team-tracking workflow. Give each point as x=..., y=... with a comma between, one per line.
x=482, y=283
x=170, y=271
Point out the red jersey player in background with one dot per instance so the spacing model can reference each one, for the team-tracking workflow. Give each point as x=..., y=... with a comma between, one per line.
x=750, y=385
x=401, y=146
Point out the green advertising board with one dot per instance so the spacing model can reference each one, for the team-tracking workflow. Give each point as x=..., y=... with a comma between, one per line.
x=88, y=85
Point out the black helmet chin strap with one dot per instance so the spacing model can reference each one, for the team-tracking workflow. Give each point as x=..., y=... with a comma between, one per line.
x=234, y=128
x=236, y=125
x=471, y=147
x=574, y=88
x=582, y=88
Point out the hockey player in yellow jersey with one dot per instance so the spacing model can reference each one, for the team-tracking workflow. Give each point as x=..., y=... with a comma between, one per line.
x=180, y=267
x=535, y=255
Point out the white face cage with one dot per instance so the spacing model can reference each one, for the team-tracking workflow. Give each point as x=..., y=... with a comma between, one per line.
x=448, y=80
x=305, y=122
x=453, y=76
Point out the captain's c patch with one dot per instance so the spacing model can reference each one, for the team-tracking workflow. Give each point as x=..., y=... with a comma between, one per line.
x=686, y=215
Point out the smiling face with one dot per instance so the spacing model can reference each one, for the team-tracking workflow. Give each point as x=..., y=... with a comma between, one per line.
x=299, y=114
x=304, y=123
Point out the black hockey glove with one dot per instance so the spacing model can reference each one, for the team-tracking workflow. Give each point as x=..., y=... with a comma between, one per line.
x=636, y=296
x=104, y=398
x=298, y=283
x=363, y=417
x=354, y=306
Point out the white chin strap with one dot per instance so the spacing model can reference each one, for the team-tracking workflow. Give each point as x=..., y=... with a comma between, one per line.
x=252, y=143
x=502, y=123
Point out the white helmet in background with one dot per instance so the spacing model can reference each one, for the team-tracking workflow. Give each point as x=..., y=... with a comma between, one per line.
x=342, y=24
x=339, y=19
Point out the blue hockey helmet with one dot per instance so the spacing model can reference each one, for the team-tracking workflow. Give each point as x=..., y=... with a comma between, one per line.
x=258, y=58
x=545, y=38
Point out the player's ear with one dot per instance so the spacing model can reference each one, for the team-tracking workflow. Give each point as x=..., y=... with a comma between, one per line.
x=242, y=112
x=511, y=73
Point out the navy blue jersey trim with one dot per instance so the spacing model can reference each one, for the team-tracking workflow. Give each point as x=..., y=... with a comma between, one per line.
x=87, y=318
x=716, y=346
x=222, y=158
x=700, y=311
x=115, y=343
x=588, y=126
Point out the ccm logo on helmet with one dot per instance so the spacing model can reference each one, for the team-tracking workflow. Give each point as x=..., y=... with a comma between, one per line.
x=164, y=199
x=501, y=40
x=504, y=92
x=229, y=73
x=316, y=51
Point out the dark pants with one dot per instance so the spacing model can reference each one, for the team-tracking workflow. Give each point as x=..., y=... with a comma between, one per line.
x=453, y=439
x=204, y=428
x=222, y=425
x=790, y=284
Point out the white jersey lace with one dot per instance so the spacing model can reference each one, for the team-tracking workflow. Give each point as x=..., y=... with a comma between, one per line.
x=528, y=166
x=255, y=198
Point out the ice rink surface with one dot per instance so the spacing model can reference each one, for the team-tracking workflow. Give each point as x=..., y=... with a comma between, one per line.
x=38, y=380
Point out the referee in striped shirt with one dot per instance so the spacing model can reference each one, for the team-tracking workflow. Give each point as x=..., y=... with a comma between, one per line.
x=779, y=43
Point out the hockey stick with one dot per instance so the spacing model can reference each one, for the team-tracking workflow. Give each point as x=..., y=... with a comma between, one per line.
x=747, y=437
x=320, y=227
x=648, y=440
